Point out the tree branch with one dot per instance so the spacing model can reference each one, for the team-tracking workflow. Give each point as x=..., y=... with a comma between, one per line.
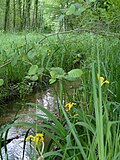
x=103, y=33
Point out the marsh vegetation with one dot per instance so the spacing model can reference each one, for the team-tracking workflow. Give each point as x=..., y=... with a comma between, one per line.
x=75, y=50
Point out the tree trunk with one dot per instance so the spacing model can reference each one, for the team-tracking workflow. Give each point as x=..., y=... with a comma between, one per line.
x=6, y=21
x=14, y=14
x=24, y=15
x=28, y=5
x=36, y=14
x=20, y=15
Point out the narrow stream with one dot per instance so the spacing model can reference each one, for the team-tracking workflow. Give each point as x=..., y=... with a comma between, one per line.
x=15, y=147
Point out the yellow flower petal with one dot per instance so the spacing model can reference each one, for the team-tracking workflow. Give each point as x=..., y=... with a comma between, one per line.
x=68, y=106
x=107, y=82
x=29, y=137
x=102, y=80
x=38, y=138
x=76, y=114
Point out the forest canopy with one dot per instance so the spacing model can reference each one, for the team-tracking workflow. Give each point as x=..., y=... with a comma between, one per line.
x=59, y=15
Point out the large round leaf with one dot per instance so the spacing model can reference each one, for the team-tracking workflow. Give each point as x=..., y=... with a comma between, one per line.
x=33, y=70
x=74, y=74
x=58, y=70
x=71, y=10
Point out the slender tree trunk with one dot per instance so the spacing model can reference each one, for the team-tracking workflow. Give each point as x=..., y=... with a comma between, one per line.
x=24, y=15
x=28, y=5
x=6, y=21
x=36, y=14
x=20, y=14
x=41, y=17
x=14, y=14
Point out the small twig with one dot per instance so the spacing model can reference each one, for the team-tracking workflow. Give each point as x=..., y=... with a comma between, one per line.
x=57, y=33
x=5, y=64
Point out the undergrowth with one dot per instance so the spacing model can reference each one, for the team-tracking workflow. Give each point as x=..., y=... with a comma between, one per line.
x=88, y=122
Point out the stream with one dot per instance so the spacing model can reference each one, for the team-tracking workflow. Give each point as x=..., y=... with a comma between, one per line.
x=8, y=112
x=15, y=147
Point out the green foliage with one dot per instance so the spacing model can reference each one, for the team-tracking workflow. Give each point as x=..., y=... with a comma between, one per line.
x=74, y=74
x=61, y=15
x=90, y=129
x=1, y=82
x=33, y=70
x=71, y=10
x=58, y=73
x=80, y=135
x=66, y=52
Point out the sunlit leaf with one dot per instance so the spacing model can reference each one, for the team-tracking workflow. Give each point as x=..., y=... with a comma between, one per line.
x=71, y=10
x=52, y=80
x=58, y=70
x=53, y=74
x=34, y=77
x=74, y=74
x=27, y=77
x=33, y=70
x=31, y=55
x=79, y=11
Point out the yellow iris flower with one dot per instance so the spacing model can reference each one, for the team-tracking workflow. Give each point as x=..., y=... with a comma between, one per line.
x=76, y=115
x=38, y=138
x=68, y=106
x=102, y=80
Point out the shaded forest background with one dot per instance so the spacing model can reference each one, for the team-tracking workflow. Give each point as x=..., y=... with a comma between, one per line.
x=59, y=15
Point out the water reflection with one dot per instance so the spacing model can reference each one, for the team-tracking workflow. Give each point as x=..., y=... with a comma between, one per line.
x=45, y=98
x=15, y=147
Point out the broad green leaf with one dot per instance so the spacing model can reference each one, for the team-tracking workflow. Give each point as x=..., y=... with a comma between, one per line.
x=33, y=70
x=34, y=78
x=27, y=77
x=31, y=55
x=1, y=82
x=75, y=73
x=58, y=70
x=79, y=11
x=51, y=81
x=53, y=74
x=71, y=10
